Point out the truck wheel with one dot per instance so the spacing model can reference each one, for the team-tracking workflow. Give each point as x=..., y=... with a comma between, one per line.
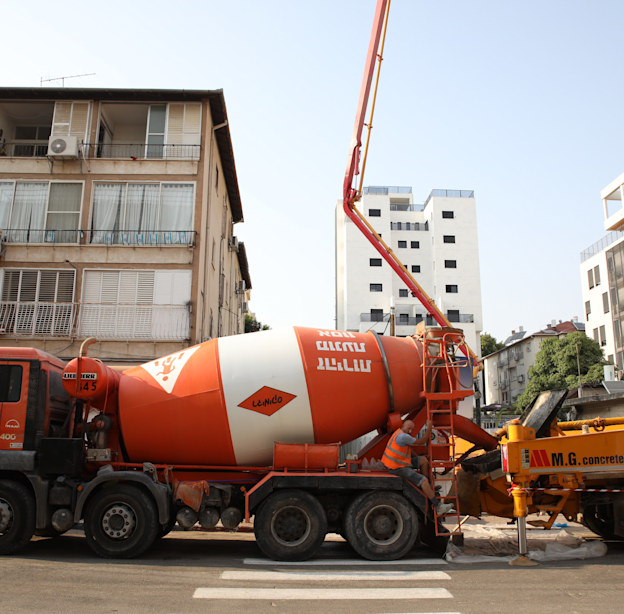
x=381, y=525
x=290, y=525
x=599, y=519
x=17, y=516
x=121, y=521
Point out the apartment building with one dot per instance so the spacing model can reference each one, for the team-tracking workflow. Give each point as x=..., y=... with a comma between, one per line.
x=602, y=278
x=117, y=213
x=436, y=241
x=506, y=371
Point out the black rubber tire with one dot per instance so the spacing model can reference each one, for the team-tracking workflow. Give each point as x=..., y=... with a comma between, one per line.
x=290, y=525
x=167, y=528
x=599, y=519
x=381, y=525
x=121, y=521
x=17, y=516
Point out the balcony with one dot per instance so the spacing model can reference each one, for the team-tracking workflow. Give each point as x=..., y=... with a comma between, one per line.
x=399, y=321
x=104, y=321
x=24, y=149
x=140, y=151
x=134, y=238
x=461, y=318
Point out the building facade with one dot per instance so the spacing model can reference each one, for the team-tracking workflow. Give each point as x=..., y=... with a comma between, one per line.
x=436, y=241
x=117, y=211
x=506, y=371
x=602, y=279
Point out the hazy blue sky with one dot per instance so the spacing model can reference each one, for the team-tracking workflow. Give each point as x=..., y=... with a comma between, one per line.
x=520, y=101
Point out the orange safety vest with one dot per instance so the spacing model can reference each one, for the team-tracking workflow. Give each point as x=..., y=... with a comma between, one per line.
x=396, y=456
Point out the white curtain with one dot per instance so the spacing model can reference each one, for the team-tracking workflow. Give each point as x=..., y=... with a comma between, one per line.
x=28, y=214
x=176, y=214
x=6, y=197
x=141, y=208
x=107, y=203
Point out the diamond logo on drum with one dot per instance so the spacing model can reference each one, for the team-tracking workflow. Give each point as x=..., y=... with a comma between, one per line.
x=267, y=400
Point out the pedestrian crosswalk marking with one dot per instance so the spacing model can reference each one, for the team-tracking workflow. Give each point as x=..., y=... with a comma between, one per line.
x=342, y=562
x=308, y=594
x=336, y=576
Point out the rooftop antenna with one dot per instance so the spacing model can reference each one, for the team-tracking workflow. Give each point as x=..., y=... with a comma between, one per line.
x=62, y=79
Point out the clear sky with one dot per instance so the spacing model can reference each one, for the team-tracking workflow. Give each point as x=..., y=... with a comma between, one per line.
x=520, y=101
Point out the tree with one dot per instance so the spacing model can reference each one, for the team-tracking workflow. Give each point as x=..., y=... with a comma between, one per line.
x=489, y=345
x=252, y=325
x=557, y=366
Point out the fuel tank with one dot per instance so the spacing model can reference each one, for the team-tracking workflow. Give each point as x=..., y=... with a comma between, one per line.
x=226, y=401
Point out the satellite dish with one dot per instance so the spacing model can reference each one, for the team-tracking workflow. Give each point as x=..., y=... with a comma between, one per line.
x=58, y=146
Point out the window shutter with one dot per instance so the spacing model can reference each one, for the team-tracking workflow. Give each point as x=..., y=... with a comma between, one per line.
x=175, y=126
x=192, y=124
x=71, y=118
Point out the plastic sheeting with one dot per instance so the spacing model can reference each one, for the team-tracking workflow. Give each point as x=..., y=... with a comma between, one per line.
x=489, y=545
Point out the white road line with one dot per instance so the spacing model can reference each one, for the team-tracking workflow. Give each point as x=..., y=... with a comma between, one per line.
x=342, y=562
x=308, y=594
x=336, y=576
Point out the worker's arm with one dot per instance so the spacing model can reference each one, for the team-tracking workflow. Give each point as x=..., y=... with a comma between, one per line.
x=424, y=438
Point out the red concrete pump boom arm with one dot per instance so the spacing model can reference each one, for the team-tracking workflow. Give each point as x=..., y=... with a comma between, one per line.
x=351, y=194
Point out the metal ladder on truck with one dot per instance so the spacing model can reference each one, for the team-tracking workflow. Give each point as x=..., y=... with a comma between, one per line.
x=442, y=392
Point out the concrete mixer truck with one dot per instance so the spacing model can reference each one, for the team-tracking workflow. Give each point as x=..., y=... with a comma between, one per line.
x=234, y=428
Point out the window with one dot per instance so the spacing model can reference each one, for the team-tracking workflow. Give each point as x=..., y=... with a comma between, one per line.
x=375, y=262
x=448, y=215
x=139, y=213
x=376, y=315
x=587, y=309
x=402, y=243
x=603, y=336
x=35, y=140
x=133, y=304
x=605, y=302
x=415, y=268
x=597, y=275
x=10, y=383
x=374, y=213
x=37, y=302
x=40, y=212
x=403, y=293
x=376, y=288
x=450, y=264
x=448, y=238
x=451, y=288
x=414, y=244
x=156, y=130
x=452, y=315
x=590, y=278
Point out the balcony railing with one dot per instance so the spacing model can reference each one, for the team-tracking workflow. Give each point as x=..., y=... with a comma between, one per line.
x=409, y=225
x=135, y=238
x=111, y=151
x=465, y=318
x=104, y=321
x=24, y=149
x=140, y=151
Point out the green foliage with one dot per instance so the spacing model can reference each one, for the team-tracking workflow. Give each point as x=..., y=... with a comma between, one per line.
x=252, y=325
x=556, y=366
x=489, y=345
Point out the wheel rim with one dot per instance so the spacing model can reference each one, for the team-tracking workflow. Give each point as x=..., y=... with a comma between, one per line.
x=6, y=516
x=119, y=521
x=383, y=525
x=290, y=526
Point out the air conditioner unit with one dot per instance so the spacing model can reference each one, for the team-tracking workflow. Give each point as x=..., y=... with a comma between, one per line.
x=520, y=378
x=233, y=243
x=240, y=286
x=63, y=147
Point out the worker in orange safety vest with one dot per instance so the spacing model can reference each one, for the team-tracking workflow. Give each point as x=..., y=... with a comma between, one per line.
x=398, y=459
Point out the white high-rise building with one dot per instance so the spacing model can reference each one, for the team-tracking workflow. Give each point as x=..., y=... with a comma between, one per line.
x=436, y=241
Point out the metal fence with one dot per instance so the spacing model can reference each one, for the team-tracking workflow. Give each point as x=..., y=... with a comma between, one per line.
x=104, y=321
x=147, y=238
x=141, y=151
